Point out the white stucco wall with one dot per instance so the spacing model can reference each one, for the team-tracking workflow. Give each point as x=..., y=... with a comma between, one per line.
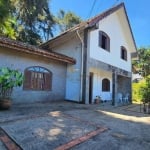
x=72, y=48
x=113, y=28
x=17, y=60
x=98, y=76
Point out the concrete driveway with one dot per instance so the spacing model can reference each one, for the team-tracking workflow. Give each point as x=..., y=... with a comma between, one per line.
x=65, y=125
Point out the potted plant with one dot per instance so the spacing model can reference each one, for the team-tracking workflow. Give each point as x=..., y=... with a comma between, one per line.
x=97, y=99
x=9, y=78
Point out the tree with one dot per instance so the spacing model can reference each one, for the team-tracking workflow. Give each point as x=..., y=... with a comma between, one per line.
x=67, y=20
x=34, y=20
x=142, y=66
x=7, y=22
x=145, y=93
x=31, y=20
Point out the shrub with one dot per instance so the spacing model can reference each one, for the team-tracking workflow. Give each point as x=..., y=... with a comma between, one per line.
x=145, y=90
x=136, y=95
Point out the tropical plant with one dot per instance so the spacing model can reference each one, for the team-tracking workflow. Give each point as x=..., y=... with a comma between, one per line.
x=9, y=79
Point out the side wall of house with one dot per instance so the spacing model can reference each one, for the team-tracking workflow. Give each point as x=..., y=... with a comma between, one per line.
x=72, y=48
x=17, y=60
x=113, y=28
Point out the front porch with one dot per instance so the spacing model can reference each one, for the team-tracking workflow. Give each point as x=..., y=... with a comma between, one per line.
x=110, y=83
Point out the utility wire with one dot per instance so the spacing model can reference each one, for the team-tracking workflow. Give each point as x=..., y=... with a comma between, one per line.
x=92, y=9
x=98, y=7
x=117, y=1
x=93, y=5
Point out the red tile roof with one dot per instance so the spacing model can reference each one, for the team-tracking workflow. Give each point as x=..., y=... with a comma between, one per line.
x=30, y=49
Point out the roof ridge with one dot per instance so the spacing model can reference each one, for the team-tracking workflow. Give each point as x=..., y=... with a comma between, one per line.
x=104, y=14
x=118, y=5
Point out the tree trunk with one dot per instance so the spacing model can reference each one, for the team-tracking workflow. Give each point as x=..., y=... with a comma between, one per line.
x=148, y=107
x=144, y=107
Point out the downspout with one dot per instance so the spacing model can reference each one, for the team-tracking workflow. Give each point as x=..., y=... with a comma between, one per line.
x=81, y=79
x=84, y=62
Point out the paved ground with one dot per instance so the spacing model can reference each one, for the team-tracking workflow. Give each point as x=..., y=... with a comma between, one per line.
x=65, y=125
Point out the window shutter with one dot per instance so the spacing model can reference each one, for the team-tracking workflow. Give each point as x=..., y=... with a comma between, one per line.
x=100, y=39
x=27, y=80
x=47, y=81
x=108, y=44
x=37, y=78
x=121, y=54
x=125, y=55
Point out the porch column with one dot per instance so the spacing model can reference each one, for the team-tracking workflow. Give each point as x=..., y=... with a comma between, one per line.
x=114, y=88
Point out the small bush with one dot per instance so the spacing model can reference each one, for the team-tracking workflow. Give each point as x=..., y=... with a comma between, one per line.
x=145, y=90
x=136, y=96
x=141, y=90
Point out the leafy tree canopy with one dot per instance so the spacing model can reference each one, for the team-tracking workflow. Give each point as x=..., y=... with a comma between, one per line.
x=142, y=66
x=31, y=20
x=66, y=20
x=7, y=21
x=34, y=20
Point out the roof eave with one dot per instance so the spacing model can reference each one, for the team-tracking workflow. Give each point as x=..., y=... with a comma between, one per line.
x=39, y=52
x=73, y=30
x=130, y=28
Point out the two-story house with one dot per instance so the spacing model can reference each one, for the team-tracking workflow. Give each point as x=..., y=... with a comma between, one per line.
x=91, y=59
x=102, y=47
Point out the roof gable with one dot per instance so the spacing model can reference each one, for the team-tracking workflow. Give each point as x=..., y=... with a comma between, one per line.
x=91, y=23
x=106, y=13
x=126, y=28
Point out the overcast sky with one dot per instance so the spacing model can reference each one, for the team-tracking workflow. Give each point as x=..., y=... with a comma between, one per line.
x=138, y=12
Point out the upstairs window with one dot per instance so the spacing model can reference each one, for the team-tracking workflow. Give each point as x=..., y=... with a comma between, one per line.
x=105, y=85
x=123, y=53
x=37, y=78
x=104, y=41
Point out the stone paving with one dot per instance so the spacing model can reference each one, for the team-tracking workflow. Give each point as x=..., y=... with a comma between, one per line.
x=65, y=125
